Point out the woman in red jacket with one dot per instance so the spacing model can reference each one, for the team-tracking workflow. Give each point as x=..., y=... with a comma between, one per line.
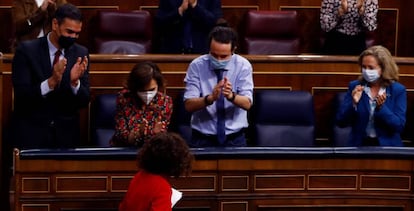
x=163, y=156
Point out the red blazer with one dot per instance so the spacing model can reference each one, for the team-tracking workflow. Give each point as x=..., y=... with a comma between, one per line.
x=147, y=192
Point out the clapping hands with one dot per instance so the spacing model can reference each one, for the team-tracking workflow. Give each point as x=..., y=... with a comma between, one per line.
x=343, y=8
x=223, y=87
x=360, y=5
x=380, y=99
x=357, y=93
x=57, y=73
x=185, y=4
x=46, y=3
x=78, y=69
x=159, y=126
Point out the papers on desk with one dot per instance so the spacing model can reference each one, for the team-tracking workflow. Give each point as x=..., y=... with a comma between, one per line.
x=175, y=196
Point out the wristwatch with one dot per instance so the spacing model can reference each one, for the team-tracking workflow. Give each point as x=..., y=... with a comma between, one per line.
x=232, y=98
x=206, y=100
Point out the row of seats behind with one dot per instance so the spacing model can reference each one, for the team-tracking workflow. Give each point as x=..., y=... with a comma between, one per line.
x=277, y=118
x=131, y=32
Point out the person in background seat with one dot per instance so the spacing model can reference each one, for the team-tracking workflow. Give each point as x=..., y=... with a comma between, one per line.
x=33, y=18
x=143, y=110
x=183, y=25
x=345, y=23
x=375, y=105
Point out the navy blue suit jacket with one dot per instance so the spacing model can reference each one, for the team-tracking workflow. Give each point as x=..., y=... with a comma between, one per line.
x=170, y=24
x=389, y=120
x=46, y=121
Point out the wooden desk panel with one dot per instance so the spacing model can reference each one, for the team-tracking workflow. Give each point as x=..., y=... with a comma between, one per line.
x=227, y=179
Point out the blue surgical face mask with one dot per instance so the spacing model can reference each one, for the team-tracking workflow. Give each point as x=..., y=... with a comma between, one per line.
x=370, y=75
x=218, y=64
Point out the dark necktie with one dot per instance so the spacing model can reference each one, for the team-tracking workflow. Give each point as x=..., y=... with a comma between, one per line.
x=56, y=58
x=221, y=113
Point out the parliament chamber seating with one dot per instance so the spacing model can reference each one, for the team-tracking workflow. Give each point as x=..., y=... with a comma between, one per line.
x=283, y=118
x=103, y=123
x=279, y=118
x=181, y=118
x=252, y=178
x=340, y=134
x=123, y=32
x=271, y=32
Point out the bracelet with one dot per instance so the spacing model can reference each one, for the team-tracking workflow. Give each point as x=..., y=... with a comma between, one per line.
x=232, y=98
x=206, y=100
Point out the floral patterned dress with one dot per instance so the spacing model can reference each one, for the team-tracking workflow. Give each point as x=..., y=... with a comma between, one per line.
x=351, y=23
x=132, y=115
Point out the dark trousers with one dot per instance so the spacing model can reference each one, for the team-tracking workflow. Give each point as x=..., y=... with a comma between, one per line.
x=199, y=139
x=29, y=133
x=337, y=43
x=368, y=141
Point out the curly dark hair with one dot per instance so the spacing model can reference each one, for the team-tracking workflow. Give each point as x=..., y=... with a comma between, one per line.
x=166, y=154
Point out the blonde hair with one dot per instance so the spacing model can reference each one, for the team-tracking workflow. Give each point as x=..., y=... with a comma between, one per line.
x=384, y=58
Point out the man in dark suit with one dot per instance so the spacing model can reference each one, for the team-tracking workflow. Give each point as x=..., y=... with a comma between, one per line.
x=183, y=25
x=50, y=89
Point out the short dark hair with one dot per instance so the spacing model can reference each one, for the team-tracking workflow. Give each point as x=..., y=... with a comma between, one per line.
x=224, y=34
x=68, y=11
x=166, y=154
x=142, y=74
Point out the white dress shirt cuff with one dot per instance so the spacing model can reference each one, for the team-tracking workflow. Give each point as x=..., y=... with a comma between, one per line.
x=44, y=88
x=76, y=88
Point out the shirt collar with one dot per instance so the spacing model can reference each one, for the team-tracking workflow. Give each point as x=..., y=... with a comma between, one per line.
x=52, y=48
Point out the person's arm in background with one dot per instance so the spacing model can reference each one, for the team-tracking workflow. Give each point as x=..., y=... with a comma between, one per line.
x=329, y=16
x=51, y=9
x=368, y=12
x=24, y=20
x=206, y=15
x=168, y=12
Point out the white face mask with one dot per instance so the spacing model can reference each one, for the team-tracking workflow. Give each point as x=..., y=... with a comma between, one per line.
x=147, y=96
x=370, y=75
